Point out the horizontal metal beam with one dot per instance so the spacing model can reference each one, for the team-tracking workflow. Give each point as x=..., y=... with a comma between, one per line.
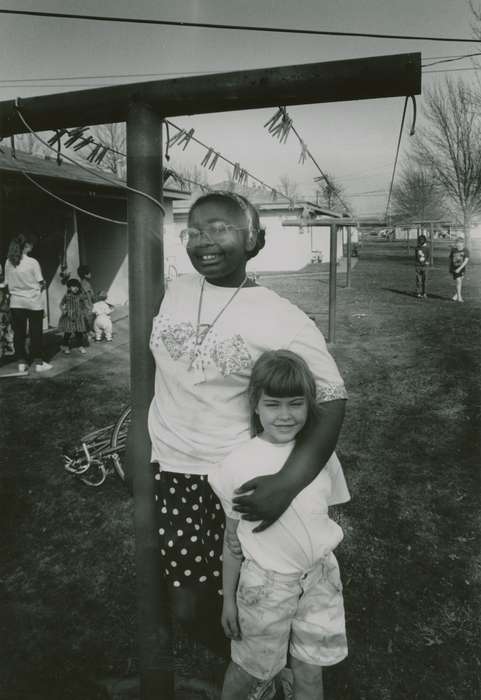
x=321, y=222
x=331, y=81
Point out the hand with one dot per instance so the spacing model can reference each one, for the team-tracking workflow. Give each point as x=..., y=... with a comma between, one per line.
x=229, y=619
x=268, y=500
x=233, y=544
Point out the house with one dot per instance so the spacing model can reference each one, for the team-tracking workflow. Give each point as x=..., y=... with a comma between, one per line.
x=67, y=236
x=287, y=248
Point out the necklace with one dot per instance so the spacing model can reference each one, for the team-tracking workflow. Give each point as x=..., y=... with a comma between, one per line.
x=198, y=339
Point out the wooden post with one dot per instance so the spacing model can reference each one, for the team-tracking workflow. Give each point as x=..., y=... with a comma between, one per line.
x=331, y=336
x=349, y=254
x=146, y=288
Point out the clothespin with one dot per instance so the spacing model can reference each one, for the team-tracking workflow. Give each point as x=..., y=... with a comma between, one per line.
x=279, y=125
x=57, y=136
x=12, y=146
x=274, y=195
x=213, y=162
x=206, y=158
x=83, y=143
x=176, y=137
x=242, y=176
x=1, y=149
x=236, y=171
x=303, y=153
x=94, y=152
x=101, y=155
x=75, y=135
x=185, y=139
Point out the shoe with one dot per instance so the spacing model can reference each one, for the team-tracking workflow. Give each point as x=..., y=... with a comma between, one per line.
x=425, y=296
x=82, y=350
x=419, y=296
x=66, y=351
x=109, y=340
x=455, y=297
x=97, y=340
x=22, y=367
x=44, y=367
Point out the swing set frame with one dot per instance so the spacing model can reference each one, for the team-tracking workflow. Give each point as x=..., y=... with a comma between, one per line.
x=143, y=106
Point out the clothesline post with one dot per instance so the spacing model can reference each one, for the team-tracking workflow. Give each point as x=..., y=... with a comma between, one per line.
x=348, y=260
x=331, y=334
x=146, y=289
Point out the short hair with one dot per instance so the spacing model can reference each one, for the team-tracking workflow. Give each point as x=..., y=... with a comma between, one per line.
x=280, y=373
x=459, y=239
x=73, y=282
x=248, y=209
x=83, y=270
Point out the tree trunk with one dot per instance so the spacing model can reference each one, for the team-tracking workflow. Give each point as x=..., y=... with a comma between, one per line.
x=467, y=228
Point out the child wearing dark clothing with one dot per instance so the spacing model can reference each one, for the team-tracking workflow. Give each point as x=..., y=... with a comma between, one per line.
x=421, y=257
x=85, y=276
x=75, y=317
x=458, y=259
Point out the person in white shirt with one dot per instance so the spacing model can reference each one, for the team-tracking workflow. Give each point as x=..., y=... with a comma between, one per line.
x=101, y=311
x=25, y=284
x=211, y=327
x=285, y=595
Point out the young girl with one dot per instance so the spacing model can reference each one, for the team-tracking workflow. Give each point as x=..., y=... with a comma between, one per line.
x=210, y=329
x=458, y=259
x=74, y=319
x=289, y=593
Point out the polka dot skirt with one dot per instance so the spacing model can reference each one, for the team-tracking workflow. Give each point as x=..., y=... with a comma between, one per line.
x=191, y=528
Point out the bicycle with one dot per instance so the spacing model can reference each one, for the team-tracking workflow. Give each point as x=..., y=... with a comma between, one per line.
x=100, y=453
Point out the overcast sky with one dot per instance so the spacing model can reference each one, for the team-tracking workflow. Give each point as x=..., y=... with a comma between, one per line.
x=355, y=141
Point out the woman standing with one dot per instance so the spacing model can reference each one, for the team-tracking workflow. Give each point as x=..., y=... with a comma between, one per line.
x=25, y=283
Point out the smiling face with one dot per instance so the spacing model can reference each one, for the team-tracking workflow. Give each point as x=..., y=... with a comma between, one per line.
x=220, y=258
x=281, y=417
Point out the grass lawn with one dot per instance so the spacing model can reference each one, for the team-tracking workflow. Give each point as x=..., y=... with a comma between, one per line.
x=410, y=447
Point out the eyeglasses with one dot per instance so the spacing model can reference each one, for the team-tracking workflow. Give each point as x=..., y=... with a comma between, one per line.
x=212, y=233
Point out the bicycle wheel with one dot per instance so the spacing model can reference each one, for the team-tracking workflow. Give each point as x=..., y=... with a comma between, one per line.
x=95, y=475
x=118, y=441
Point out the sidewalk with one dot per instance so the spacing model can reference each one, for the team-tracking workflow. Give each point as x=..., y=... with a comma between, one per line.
x=63, y=363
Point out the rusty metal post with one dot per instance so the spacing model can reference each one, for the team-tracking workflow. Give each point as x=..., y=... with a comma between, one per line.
x=146, y=287
x=348, y=261
x=331, y=336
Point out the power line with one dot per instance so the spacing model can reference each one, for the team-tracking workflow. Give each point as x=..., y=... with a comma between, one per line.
x=396, y=157
x=237, y=27
x=102, y=77
x=450, y=59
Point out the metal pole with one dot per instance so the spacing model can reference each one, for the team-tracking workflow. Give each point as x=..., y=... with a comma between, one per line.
x=146, y=288
x=332, y=283
x=431, y=243
x=349, y=254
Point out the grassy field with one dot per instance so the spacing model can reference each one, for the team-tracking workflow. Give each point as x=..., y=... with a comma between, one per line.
x=410, y=447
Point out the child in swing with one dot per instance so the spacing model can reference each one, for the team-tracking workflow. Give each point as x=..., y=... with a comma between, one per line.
x=74, y=318
x=286, y=593
x=211, y=327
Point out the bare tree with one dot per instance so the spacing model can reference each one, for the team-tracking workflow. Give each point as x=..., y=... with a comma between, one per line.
x=289, y=187
x=113, y=138
x=331, y=193
x=417, y=196
x=450, y=146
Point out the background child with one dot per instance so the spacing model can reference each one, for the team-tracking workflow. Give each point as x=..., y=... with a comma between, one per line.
x=289, y=593
x=85, y=276
x=458, y=259
x=6, y=330
x=421, y=256
x=74, y=319
x=101, y=311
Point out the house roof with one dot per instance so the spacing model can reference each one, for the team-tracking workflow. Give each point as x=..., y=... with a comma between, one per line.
x=47, y=167
x=261, y=198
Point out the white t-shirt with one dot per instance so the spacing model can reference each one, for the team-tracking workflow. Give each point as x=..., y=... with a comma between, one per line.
x=199, y=412
x=24, y=284
x=101, y=308
x=304, y=532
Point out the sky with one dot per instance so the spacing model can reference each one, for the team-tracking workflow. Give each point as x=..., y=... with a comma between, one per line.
x=353, y=141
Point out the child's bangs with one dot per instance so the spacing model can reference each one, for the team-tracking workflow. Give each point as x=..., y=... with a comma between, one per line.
x=286, y=380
